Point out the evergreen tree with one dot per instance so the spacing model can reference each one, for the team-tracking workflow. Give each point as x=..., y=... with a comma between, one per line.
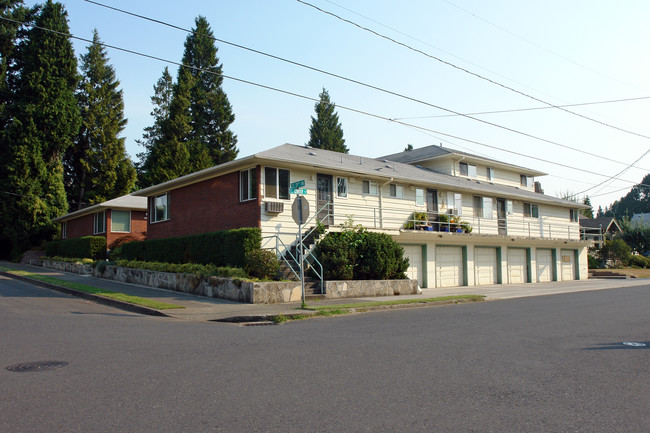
x=589, y=213
x=635, y=201
x=97, y=167
x=161, y=100
x=326, y=132
x=191, y=132
x=600, y=212
x=43, y=119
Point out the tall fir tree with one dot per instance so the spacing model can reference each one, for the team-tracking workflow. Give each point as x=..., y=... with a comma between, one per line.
x=161, y=100
x=43, y=119
x=97, y=166
x=195, y=133
x=589, y=213
x=326, y=131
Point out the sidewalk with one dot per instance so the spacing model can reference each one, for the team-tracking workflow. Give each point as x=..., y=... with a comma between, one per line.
x=199, y=308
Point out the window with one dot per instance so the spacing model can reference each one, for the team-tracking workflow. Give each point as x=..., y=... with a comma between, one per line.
x=489, y=173
x=526, y=180
x=276, y=183
x=396, y=190
x=468, y=170
x=531, y=210
x=342, y=187
x=573, y=215
x=64, y=229
x=248, y=184
x=160, y=211
x=483, y=207
x=509, y=207
x=455, y=203
x=121, y=221
x=419, y=196
x=370, y=187
x=100, y=222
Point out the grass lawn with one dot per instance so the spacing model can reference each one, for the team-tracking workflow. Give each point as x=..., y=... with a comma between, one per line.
x=94, y=290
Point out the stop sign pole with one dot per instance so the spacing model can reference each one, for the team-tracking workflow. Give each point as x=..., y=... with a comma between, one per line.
x=300, y=213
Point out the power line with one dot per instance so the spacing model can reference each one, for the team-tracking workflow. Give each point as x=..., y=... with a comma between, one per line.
x=515, y=110
x=467, y=71
x=617, y=174
x=297, y=95
x=389, y=92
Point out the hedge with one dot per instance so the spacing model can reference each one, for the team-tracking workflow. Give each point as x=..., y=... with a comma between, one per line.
x=223, y=248
x=90, y=247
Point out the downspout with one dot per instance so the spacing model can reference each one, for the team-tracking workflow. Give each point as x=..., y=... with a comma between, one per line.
x=381, y=209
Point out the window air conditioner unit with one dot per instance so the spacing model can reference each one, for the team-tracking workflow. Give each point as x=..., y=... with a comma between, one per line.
x=274, y=206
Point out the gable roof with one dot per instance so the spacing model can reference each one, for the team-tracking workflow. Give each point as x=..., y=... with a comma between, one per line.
x=438, y=152
x=125, y=202
x=605, y=222
x=353, y=165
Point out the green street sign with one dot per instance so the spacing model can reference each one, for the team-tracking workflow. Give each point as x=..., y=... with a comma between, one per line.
x=298, y=184
x=298, y=191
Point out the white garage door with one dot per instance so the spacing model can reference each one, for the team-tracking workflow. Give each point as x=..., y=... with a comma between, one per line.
x=568, y=265
x=517, y=265
x=544, y=265
x=414, y=254
x=485, y=266
x=449, y=266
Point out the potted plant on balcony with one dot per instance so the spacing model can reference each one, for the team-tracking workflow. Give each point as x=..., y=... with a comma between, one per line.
x=417, y=221
x=455, y=225
x=444, y=222
x=466, y=227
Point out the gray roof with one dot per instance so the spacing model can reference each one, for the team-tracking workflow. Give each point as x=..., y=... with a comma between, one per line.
x=595, y=223
x=641, y=218
x=432, y=152
x=328, y=161
x=125, y=202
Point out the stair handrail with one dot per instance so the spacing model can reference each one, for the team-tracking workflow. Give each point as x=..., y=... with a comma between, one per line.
x=283, y=256
x=306, y=254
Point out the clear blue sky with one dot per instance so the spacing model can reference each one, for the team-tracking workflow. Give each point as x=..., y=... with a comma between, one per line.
x=563, y=52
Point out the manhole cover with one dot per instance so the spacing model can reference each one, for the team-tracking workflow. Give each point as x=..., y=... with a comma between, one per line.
x=634, y=344
x=37, y=366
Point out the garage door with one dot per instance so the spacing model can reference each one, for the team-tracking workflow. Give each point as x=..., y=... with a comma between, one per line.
x=415, y=269
x=544, y=265
x=449, y=266
x=568, y=267
x=485, y=266
x=517, y=266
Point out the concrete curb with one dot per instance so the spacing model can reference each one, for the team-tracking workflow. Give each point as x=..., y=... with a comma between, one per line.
x=89, y=296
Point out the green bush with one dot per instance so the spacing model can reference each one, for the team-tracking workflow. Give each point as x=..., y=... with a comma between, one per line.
x=360, y=255
x=223, y=248
x=639, y=262
x=593, y=263
x=262, y=264
x=185, y=268
x=92, y=247
x=616, y=252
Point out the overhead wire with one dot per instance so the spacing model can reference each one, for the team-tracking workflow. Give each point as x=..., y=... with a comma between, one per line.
x=467, y=71
x=354, y=81
x=297, y=95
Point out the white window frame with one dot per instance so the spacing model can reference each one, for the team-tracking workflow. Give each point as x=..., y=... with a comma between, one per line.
x=64, y=229
x=470, y=170
x=490, y=173
x=419, y=196
x=153, y=218
x=477, y=205
x=455, y=203
x=573, y=215
x=488, y=208
x=510, y=209
x=345, y=184
x=396, y=190
x=532, y=207
x=113, y=219
x=250, y=192
x=96, y=219
x=278, y=195
x=372, y=187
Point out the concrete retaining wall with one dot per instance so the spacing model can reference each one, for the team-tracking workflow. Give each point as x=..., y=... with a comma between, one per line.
x=234, y=289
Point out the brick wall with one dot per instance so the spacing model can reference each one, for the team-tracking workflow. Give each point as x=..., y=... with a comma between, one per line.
x=207, y=206
x=82, y=226
x=138, y=227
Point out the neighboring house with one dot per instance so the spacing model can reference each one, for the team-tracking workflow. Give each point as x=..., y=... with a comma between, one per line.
x=641, y=219
x=112, y=219
x=421, y=198
x=598, y=230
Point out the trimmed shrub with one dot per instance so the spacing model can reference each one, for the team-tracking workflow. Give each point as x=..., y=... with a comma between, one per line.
x=185, y=268
x=639, y=262
x=262, y=264
x=361, y=255
x=593, y=262
x=223, y=248
x=91, y=247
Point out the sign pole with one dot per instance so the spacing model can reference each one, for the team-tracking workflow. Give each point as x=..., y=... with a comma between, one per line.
x=302, y=258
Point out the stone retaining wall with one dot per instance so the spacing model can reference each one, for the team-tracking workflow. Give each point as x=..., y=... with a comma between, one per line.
x=234, y=289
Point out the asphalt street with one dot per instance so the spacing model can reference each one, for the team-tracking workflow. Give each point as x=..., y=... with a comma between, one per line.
x=553, y=363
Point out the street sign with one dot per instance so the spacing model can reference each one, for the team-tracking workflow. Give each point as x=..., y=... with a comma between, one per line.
x=300, y=210
x=297, y=184
x=298, y=191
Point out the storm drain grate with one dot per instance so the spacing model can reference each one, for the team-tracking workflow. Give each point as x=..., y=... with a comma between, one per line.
x=26, y=367
x=262, y=323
